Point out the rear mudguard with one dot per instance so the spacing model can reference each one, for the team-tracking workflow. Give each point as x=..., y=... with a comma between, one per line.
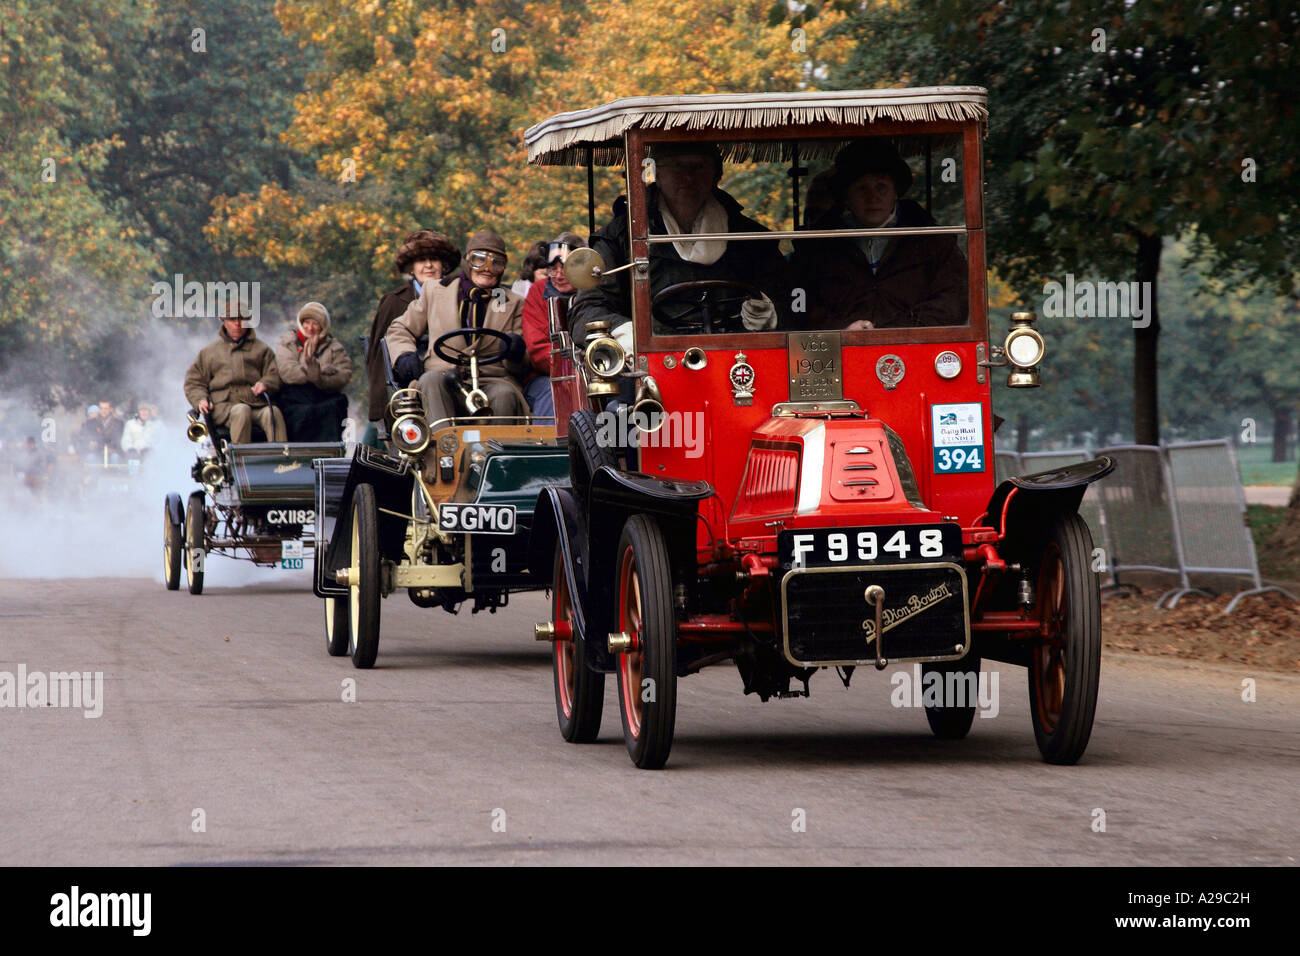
x=175, y=509
x=1042, y=496
x=393, y=482
x=331, y=478
x=588, y=540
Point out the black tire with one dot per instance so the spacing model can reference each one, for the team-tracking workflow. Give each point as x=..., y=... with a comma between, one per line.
x=579, y=691
x=586, y=453
x=195, y=541
x=173, y=550
x=953, y=722
x=647, y=677
x=1065, y=670
x=336, y=626
x=363, y=586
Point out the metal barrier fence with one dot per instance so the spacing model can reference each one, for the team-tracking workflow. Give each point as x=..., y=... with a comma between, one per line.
x=1177, y=509
x=1211, y=509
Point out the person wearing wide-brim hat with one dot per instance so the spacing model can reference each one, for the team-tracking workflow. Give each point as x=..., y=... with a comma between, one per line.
x=424, y=256
x=474, y=299
x=234, y=378
x=873, y=282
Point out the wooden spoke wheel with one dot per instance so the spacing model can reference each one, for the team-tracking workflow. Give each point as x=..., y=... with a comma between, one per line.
x=363, y=579
x=579, y=691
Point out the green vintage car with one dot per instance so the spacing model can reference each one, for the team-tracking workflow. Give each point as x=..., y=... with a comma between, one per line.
x=256, y=503
x=444, y=513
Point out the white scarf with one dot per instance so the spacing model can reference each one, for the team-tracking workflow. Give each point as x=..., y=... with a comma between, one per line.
x=711, y=218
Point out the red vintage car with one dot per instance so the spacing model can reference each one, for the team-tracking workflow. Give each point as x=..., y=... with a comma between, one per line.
x=780, y=428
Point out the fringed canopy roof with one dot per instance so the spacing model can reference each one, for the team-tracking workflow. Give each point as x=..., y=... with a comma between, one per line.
x=563, y=140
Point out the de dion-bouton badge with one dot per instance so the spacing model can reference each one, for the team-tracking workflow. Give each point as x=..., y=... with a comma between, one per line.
x=742, y=381
x=890, y=370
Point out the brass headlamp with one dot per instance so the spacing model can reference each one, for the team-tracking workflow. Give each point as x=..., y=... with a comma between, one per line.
x=604, y=358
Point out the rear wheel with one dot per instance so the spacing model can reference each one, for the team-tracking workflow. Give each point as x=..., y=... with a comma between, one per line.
x=336, y=626
x=1066, y=667
x=948, y=720
x=579, y=691
x=363, y=579
x=196, y=551
x=647, y=674
x=173, y=549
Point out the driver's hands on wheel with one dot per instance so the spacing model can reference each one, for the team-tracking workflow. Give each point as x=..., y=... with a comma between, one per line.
x=407, y=368
x=623, y=336
x=758, y=315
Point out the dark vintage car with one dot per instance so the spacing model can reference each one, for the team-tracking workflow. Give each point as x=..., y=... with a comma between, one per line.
x=444, y=513
x=256, y=503
x=837, y=508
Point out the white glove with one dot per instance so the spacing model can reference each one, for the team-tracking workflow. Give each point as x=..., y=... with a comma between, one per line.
x=758, y=315
x=623, y=336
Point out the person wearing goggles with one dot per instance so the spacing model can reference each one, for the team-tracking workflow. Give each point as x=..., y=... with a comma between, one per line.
x=544, y=298
x=475, y=299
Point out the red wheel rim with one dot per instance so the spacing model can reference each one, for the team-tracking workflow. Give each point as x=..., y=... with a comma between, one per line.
x=564, y=655
x=1049, y=657
x=629, y=620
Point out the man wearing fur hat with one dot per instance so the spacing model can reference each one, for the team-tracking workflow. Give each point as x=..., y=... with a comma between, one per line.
x=424, y=256
x=314, y=368
x=234, y=378
x=476, y=299
x=879, y=282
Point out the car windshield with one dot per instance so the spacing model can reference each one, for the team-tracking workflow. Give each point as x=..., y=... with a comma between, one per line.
x=792, y=235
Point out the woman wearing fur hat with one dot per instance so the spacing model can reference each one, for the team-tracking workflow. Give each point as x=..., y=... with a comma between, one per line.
x=424, y=256
x=314, y=368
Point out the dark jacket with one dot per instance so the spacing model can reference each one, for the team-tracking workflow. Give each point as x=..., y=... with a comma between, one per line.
x=920, y=280
x=755, y=263
x=391, y=306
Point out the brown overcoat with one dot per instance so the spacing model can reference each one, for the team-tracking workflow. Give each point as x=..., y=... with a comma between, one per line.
x=225, y=372
x=437, y=311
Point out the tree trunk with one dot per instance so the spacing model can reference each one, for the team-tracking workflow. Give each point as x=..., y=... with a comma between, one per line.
x=1022, y=434
x=1146, y=405
x=1281, y=433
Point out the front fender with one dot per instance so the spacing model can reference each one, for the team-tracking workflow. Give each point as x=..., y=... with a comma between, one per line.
x=556, y=520
x=1030, y=501
x=175, y=509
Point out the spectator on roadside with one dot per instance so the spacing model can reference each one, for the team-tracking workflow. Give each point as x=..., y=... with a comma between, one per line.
x=425, y=256
x=34, y=463
x=141, y=433
x=553, y=293
x=314, y=370
x=100, y=438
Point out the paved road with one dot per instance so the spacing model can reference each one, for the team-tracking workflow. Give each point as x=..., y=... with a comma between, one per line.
x=227, y=703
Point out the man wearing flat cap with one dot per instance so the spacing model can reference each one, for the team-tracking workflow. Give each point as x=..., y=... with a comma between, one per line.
x=872, y=282
x=424, y=256
x=476, y=299
x=234, y=378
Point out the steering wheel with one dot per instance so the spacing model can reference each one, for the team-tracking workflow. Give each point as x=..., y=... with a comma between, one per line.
x=462, y=355
x=710, y=297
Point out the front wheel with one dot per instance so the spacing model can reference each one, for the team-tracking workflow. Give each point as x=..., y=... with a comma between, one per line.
x=196, y=551
x=958, y=693
x=336, y=626
x=1066, y=667
x=647, y=674
x=173, y=549
x=579, y=691
x=363, y=579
